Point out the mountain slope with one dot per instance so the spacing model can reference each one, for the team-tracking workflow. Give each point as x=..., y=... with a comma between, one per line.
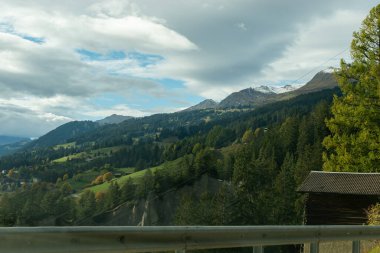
x=265, y=95
x=246, y=97
x=261, y=95
x=322, y=80
x=63, y=133
x=113, y=119
x=205, y=104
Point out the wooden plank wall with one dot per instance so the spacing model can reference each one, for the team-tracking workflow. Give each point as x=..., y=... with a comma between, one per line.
x=337, y=209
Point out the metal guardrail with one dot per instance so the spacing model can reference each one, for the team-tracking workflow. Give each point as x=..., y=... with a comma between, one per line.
x=173, y=238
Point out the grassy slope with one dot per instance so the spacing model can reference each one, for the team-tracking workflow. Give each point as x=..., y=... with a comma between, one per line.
x=87, y=177
x=84, y=180
x=170, y=166
x=90, y=154
x=128, y=170
x=65, y=145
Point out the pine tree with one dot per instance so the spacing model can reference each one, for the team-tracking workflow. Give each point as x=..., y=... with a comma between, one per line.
x=285, y=189
x=354, y=143
x=113, y=195
x=87, y=204
x=128, y=190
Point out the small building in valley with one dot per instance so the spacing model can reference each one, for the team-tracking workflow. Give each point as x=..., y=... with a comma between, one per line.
x=339, y=198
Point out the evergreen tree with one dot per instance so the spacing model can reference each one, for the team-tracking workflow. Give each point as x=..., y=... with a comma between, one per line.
x=128, y=190
x=8, y=213
x=252, y=180
x=285, y=189
x=29, y=214
x=354, y=144
x=185, y=211
x=86, y=204
x=222, y=213
x=113, y=196
x=146, y=185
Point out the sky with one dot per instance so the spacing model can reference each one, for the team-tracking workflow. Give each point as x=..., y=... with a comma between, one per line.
x=84, y=60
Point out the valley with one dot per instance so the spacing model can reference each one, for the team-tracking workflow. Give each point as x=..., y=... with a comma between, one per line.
x=108, y=173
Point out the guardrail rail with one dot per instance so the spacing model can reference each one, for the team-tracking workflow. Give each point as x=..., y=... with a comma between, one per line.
x=122, y=239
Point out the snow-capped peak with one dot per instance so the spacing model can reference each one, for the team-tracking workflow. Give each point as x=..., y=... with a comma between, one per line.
x=276, y=89
x=264, y=89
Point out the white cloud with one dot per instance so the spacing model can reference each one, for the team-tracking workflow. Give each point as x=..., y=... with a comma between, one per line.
x=135, y=30
x=50, y=117
x=114, y=8
x=318, y=45
x=214, y=47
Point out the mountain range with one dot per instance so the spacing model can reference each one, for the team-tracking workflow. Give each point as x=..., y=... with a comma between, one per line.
x=258, y=96
x=9, y=144
x=5, y=139
x=249, y=97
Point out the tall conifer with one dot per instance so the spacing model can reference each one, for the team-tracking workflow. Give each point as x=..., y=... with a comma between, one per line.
x=354, y=143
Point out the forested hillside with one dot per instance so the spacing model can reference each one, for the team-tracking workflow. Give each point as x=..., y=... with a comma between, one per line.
x=259, y=155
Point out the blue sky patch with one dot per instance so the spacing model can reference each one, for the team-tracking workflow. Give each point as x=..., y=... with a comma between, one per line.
x=8, y=28
x=145, y=59
x=37, y=40
x=89, y=55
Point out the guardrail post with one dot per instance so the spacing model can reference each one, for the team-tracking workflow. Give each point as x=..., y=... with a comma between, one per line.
x=258, y=249
x=314, y=247
x=355, y=246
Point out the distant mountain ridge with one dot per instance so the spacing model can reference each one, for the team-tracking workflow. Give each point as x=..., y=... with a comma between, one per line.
x=113, y=119
x=260, y=95
x=63, y=133
x=72, y=129
x=10, y=148
x=5, y=139
x=10, y=144
x=250, y=97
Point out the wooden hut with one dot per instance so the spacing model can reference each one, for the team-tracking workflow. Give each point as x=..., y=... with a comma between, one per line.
x=339, y=198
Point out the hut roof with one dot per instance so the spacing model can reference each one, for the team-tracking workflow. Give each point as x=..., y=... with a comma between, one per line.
x=341, y=183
